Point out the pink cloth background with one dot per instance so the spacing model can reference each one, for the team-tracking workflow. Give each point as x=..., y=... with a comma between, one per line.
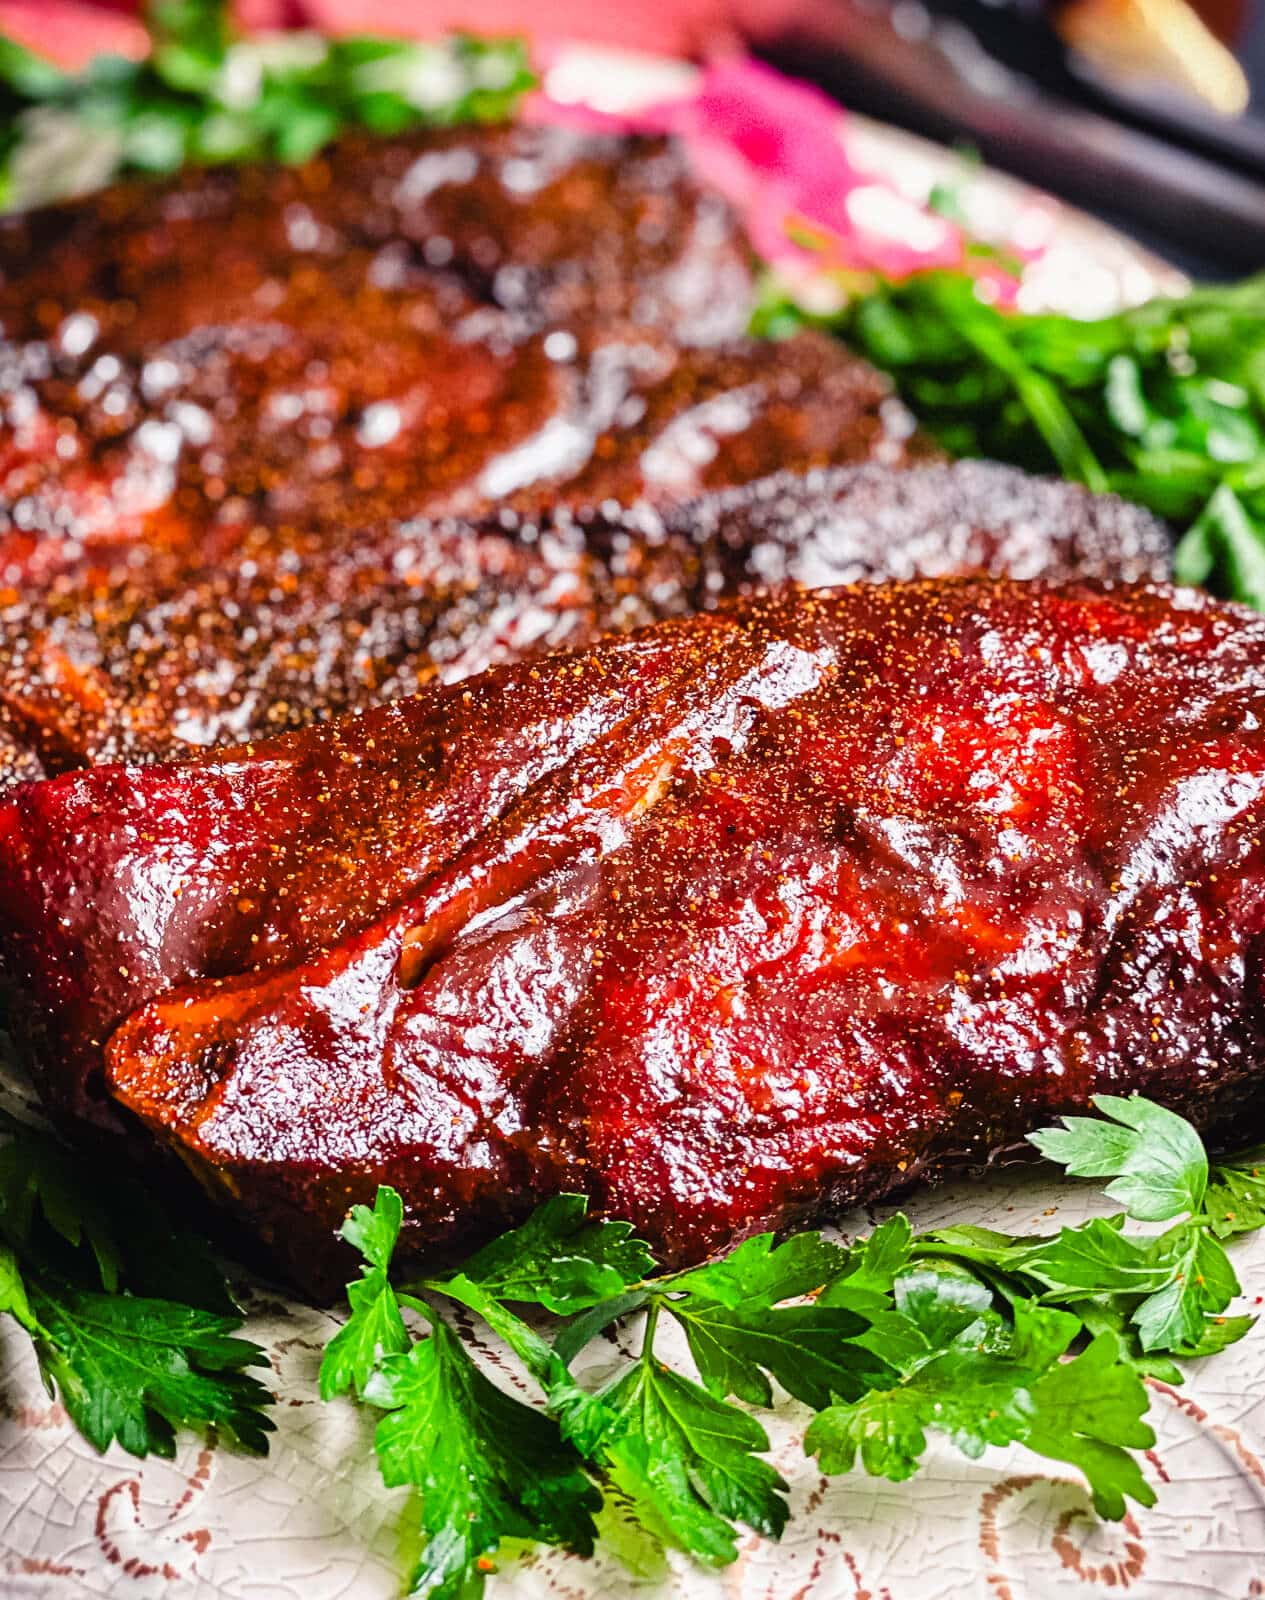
x=71, y=31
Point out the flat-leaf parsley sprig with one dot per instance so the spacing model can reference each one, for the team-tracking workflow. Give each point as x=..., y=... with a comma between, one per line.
x=131, y=1321
x=983, y=1337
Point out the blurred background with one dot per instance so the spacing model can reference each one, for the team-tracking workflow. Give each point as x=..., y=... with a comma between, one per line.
x=1150, y=113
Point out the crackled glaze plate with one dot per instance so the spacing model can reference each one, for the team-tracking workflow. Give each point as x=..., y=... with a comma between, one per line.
x=313, y=1522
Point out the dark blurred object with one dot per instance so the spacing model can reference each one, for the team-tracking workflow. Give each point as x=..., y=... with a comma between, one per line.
x=1141, y=147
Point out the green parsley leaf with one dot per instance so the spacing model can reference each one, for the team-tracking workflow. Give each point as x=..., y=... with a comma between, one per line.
x=1156, y=1157
x=941, y=1304
x=50, y=1194
x=1093, y=1258
x=488, y=1467
x=1113, y=1314
x=25, y=75
x=13, y=1291
x=975, y=1396
x=1088, y=1412
x=986, y=1338
x=375, y=1327
x=968, y=1375
x=997, y=1386
x=582, y=1418
x=134, y=1370
x=630, y=1537
x=559, y=1260
x=37, y=1173
x=738, y=1331
x=982, y=1245
x=874, y=1262
x=131, y=1321
x=1218, y=1334
x=656, y=1496
x=884, y=1429
x=375, y=1231
x=1172, y=1282
x=1235, y=1199
x=808, y=1349
x=867, y=1287
x=1201, y=1283
x=758, y=1273
x=690, y=1463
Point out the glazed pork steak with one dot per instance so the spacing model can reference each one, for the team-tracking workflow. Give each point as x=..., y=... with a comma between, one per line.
x=420, y=326
x=148, y=653
x=728, y=922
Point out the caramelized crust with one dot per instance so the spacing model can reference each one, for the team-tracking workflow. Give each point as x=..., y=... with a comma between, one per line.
x=405, y=327
x=750, y=911
x=367, y=334
x=734, y=919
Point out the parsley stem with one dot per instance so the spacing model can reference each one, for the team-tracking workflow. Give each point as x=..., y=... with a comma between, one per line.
x=1042, y=400
x=957, y=1252
x=647, y=1338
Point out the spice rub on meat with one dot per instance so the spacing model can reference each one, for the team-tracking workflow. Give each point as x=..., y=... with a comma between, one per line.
x=277, y=443
x=738, y=918
x=220, y=389
x=144, y=653
x=404, y=327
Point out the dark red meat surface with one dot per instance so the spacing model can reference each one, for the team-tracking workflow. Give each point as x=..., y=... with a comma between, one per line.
x=225, y=400
x=426, y=325
x=730, y=920
x=145, y=653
